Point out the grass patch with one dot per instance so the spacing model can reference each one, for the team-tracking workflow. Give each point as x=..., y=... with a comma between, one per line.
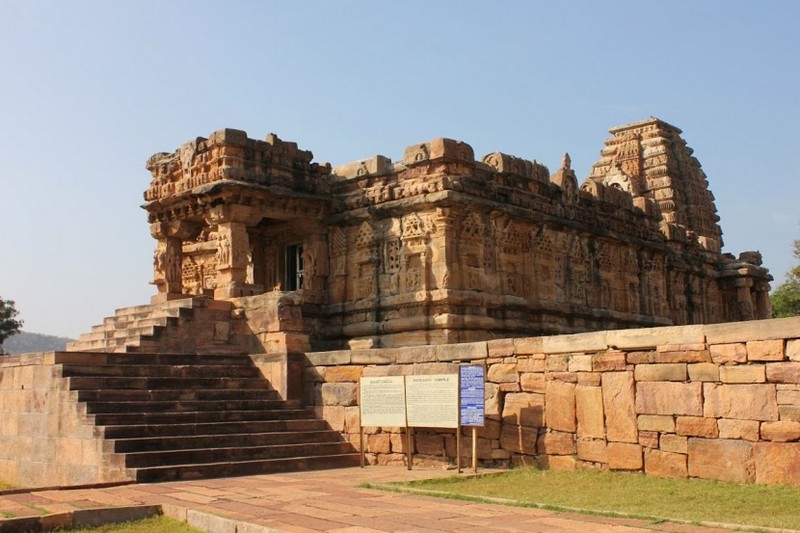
x=631, y=494
x=5, y=486
x=156, y=524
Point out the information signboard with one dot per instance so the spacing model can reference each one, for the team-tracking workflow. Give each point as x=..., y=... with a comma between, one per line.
x=472, y=395
x=432, y=401
x=382, y=401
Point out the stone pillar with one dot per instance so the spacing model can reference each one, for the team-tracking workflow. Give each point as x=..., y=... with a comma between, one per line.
x=763, y=305
x=232, y=255
x=744, y=300
x=168, y=258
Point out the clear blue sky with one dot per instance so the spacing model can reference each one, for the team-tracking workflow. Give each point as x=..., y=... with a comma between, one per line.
x=90, y=89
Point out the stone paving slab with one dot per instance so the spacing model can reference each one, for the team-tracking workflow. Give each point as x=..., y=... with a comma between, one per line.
x=325, y=501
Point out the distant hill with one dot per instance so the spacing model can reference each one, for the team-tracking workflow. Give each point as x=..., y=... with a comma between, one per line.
x=24, y=342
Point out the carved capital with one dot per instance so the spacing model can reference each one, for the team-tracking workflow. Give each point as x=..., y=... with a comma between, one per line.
x=179, y=229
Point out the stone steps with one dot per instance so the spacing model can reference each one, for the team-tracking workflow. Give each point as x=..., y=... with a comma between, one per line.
x=185, y=416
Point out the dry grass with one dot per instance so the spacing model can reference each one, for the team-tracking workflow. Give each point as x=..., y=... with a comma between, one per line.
x=633, y=494
x=156, y=524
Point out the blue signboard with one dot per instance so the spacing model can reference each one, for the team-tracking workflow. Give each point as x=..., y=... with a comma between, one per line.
x=472, y=379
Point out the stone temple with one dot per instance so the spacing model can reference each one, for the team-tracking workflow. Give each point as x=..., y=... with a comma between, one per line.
x=440, y=247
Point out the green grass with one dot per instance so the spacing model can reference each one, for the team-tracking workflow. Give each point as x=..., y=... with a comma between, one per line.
x=5, y=486
x=156, y=524
x=631, y=494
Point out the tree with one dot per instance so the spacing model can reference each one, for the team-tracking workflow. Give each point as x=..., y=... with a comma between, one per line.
x=9, y=325
x=786, y=298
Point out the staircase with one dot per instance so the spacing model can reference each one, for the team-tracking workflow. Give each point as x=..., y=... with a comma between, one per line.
x=188, y=325
x=180, y=417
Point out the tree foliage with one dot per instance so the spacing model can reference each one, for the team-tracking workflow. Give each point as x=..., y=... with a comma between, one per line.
x=786, y=298
x=9, y=325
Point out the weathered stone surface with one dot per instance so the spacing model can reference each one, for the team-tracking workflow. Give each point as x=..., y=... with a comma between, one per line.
x=557, y=443
x=464, y=351
x=632, y=339
x=429, y=443
x=793, y=350
x=674, y=444
x=649, y=439
x=580, y=363
x=532, y=382
x=788, y=396
x=618, y=405
x=665, y=464
x=520, y=439
x=524, y=409
x=703, y=372
x=530, y=364
x=590, y=379
x=581, y=342
x=344, y=394
x=743, y=374
x=783, y=372
x=777, y=328
x=747, y=402
x=556, y=363
x=669, y=398
x=624, y=456
x=379, y=443
x=661, y=372
x=722, y=354
x=722, y=459
x=589, y=412
x=696, y=426
x=777, y=463
x=528, y=345
x=500, y=348
x=766, y=350
x=660, y=423
x=560, y=406
x=560, y=463
x=738, y=429
x=789, y=412
x=593, y=451
x=339, y=374
x=609, y=361
x=503, y=373
x=781, y=431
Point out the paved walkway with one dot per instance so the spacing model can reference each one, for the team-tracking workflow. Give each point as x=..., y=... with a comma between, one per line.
x=329, y=501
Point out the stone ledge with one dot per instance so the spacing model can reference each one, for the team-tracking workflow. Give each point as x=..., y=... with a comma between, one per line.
x=79, y=518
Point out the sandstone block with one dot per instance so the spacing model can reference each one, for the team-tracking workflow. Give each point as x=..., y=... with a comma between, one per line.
x=631, y=339
x=793, y=350
x=766, y=350
x=379, y=443
x=723, y=354
x=524, y=409
x=697, y=346
x=738, y=429
x=703, y=372
x=579, y=342
x=580, y=363
x=411, y=354
x=781, y=431
x=520, y=439
x=590, y=379
x=696, y=426
x=787, y=396
x=532, y=382
x=743, y=374
x=589, y=412
x=568, y=377
x=339, y=374
x=609, y=361
x=661, y=372
x=560, y=406
x=429, y=443
x=777, y=463
x=777, y=328
x=387, y=370
x=619, y=407
x=624, y=456
x=649, y=439
x=530, y=364
x=462, y=352
x=500, y=347
x=503, y=373
x=665, y=464
x=493, y=398
x=340, y=357
x=421, y=369
x=528, y=345
x=660, y=423
x=669, y=398
x=594, y=451
x=783, y=372
x=674, y=444
x=561, y=463
x=722, y=459
x=333, y=415
x=789, y=412
x=746, y=402
x=556, y=363
x=556, y=443
x=344, y=394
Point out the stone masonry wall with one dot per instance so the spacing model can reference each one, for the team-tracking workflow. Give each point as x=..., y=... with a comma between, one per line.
x=716, y=401
x=46, y=438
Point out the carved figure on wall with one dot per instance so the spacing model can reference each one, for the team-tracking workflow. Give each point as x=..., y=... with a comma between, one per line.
x=224, y=252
